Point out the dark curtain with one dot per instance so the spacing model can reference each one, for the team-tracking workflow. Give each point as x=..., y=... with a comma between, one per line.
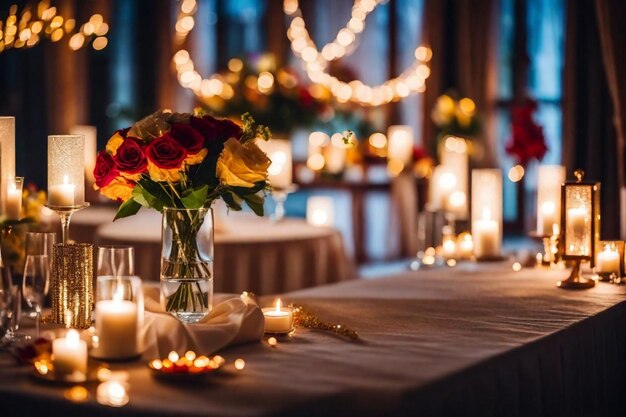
x=611, y=16
x=462, y=35
x=589, y=136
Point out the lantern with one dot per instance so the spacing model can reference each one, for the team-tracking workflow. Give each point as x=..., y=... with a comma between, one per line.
x=580, y=228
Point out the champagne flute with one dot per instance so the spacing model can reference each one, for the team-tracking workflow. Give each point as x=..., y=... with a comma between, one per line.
x=39, y=243
x=36, y=283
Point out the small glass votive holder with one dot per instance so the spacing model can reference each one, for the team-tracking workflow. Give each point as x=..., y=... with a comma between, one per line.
x=119, y=317
x=72, y=284
x=13, y=200
x=609, y=260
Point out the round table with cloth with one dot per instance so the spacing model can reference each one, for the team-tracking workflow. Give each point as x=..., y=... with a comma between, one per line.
x=251, y=253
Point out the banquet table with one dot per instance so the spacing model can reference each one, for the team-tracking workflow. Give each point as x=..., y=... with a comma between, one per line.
x=251, y=253
x=476, y=340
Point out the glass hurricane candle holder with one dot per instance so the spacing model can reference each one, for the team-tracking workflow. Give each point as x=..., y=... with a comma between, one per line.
x=609, y=259
x=7, y=155
x=580, y=228
x=13, y=198
x=119, y=308
x=487, y=213
x=66, y=178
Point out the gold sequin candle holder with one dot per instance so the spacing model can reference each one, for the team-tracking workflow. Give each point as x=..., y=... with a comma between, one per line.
x=72, y=284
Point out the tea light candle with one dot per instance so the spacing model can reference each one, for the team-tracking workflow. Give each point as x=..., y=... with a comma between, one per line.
x=116, y=326
x=69, y=354
x=607, y=261
x=62, y=194
x=486, y=236
x=465, y=246
x=277, y=319
x=13, y=206
x=448, y=247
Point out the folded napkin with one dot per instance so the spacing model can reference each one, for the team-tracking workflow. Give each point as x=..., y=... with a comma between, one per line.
x=232, y=321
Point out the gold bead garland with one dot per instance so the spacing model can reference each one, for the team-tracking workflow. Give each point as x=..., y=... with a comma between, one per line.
x=304, y=318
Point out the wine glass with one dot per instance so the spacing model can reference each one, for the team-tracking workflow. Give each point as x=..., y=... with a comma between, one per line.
x=36, y=283
x=39, y=243
x=7, y=300
x=116, y=260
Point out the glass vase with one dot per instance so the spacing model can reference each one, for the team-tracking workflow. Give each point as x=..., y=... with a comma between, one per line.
x=187, y=263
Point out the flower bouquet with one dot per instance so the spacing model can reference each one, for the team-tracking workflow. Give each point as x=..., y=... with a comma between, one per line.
x=179, y=164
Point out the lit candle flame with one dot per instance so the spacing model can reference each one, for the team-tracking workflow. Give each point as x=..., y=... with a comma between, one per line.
x=72, y=338
x=66, y=179
x=486, y=213
x=118, y=295
x=278, y=305
x=68, y=318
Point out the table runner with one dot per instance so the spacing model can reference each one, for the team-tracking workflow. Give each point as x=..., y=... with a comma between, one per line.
x=476, y=340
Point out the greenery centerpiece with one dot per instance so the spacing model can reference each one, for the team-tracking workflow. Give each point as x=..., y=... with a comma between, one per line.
x=179, y=164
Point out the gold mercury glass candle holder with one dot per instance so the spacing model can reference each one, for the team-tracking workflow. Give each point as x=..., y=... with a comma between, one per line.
x=66, y=178
x=610, y=260
x=580, y=228
x=72, y=285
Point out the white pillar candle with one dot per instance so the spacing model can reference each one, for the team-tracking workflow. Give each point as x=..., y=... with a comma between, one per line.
x=400, y=143
x=278, y=319
x=486, y=236
x=62, y=194
x=66, y=166
x=548, y=218
x=320, y=211
x=280, y=171
x=549, y=181
x=608, y=261
x=576, y=220
x=116, y=327
x=69, y=354
x=7, y=155
x=13, y=206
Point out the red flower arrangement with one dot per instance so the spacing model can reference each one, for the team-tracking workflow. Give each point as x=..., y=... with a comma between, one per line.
x=527, y=138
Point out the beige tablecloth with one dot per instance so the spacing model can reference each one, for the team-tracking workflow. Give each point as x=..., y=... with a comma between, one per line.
x=477, y=341
x=251, y=253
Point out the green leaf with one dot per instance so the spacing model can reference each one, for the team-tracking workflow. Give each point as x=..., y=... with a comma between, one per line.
x=194, y=198
x=204, y=173
x=255, y=202
x=243, y=191
x=128, y=208
x=232, y=200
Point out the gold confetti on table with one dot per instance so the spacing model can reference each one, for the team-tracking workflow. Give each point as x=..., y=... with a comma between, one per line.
x=304, y=318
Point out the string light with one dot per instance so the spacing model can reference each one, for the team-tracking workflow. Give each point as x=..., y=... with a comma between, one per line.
x=46, y=23
x=316, y=62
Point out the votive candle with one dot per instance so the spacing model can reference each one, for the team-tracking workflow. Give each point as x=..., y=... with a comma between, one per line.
x=278, y=319
x=69, y=354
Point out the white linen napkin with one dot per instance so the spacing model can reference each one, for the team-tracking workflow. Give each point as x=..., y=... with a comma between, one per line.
x=232, y=321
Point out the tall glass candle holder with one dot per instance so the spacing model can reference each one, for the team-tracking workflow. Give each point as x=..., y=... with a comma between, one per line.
x=91, y=148
x=549, y=181
x=279, y=173
x=7, y=156
x=72, y=284
x=487, y=213
x=580, y=228
x=454, y=156
x=320, y=211
x=66, y=177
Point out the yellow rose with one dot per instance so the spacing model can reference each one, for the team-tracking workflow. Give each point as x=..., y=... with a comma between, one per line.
x=114, y=143
x=118, y=189
x=196, y=158
x=242, y=165
x=163, y=174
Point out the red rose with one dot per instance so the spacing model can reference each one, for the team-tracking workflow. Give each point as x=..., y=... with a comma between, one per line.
x=215, y=131
x=188, y=137
x=165, y=152
x=130, y=157
x=105, y=170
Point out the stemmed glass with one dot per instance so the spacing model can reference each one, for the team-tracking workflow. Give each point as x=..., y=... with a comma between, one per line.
x=39, y=243
x=36, y=283
x=116, y=260
x=7, y=300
